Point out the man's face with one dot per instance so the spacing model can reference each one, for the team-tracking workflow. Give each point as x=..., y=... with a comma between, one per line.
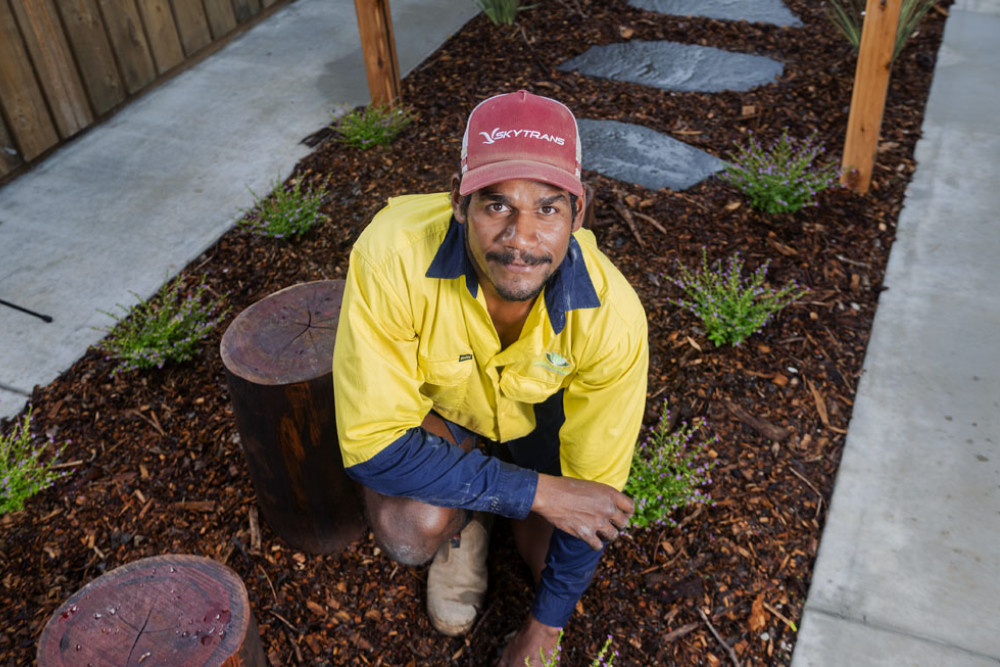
x=517, y=235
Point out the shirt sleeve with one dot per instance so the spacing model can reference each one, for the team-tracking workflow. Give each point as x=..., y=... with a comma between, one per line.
x=379, y=409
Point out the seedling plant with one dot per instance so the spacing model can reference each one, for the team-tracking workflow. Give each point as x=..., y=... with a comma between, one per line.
x=730, y=306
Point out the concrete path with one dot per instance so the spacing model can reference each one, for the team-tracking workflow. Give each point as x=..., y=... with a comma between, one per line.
x=908, y=571
x=134, y=200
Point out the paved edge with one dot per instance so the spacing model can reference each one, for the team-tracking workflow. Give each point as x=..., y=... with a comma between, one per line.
x=906, y=571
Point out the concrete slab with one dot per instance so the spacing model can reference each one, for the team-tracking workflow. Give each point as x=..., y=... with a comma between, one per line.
x=880, y=647
x=673, y=66
x=753, y=11
x=135, y=199
x=912, y=543
x=639, y=155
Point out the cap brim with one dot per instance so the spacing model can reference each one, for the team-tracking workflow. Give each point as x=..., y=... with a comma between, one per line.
x=497, y=172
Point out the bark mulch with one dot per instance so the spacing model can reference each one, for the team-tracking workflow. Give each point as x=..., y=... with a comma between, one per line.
x=160, y=465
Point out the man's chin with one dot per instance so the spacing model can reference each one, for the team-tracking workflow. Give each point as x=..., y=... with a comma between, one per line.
x=517, y=291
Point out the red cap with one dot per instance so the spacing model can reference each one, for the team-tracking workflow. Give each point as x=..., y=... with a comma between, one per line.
x=521, y=135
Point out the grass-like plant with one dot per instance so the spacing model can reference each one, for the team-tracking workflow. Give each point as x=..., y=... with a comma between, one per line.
x=371, y=126
x=781, y=177
x=287, y=211
x=552, y=659
x=848, y=16
x=22, y=472
x=502, y=12
x=167, y=328
x=668, y=472
x=730, y=306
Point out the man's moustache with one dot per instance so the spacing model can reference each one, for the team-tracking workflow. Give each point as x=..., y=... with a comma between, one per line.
x=510, y=256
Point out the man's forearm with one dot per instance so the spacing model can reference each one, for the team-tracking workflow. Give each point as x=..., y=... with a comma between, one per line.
x=428, y=468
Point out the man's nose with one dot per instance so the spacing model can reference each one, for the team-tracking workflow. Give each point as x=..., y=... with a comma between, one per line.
x=521, y=230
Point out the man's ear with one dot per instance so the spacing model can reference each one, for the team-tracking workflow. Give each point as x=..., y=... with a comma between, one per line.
x=456, y=199
x=581, y=207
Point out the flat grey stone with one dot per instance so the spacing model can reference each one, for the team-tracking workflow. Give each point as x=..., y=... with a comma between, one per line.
x=636, y=154
x=752, y=11
x=673, y=66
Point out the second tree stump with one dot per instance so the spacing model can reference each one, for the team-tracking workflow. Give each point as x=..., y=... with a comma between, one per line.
x=278, y=355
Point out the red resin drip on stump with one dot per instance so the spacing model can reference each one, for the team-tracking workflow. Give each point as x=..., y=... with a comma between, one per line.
x=278, y=355
x=165, y=610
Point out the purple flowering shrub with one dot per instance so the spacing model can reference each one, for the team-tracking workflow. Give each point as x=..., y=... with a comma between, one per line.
x=731, y=307
x=375, y=125
x=668, y=472
x=22, y=473
x=168, y=327
x=287, y=211
x=780, y=178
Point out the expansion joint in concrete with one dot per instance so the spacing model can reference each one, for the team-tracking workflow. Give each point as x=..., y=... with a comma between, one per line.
x=881, y=627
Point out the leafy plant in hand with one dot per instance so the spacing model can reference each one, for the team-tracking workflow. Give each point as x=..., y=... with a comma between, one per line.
x=730, y=306
x=780, y=178
x=22, y=473
x=168, y=327
x=848, y=16
x=668, y=472
x=371, y=126
x=287, y=211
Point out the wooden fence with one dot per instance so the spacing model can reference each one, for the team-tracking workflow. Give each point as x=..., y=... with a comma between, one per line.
x=65, y=64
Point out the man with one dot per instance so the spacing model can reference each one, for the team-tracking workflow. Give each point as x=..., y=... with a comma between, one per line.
x=491, y=359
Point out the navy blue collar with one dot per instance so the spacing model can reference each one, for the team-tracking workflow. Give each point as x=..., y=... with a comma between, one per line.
x=569, y=287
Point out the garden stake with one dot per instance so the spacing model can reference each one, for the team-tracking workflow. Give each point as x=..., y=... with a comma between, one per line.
x=46, y=318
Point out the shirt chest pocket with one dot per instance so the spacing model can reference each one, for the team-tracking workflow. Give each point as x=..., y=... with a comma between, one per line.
x=446, y=373
x=530, y=385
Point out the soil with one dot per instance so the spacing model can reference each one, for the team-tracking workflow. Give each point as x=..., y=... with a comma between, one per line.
x=160, y=468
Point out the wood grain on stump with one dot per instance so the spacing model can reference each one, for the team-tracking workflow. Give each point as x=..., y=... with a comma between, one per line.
x=165, y=610
x=278, y=355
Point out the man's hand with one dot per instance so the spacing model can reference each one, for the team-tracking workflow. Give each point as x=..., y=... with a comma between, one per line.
x=531, y=642
x=591, y=511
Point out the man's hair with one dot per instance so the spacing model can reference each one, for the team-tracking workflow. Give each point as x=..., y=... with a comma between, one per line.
x=463, y=204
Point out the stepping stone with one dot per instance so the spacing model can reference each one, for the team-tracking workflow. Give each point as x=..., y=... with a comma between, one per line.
x=637, y=154
x=673, y=66
x=752, y=11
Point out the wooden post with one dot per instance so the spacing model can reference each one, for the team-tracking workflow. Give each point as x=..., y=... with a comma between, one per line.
x=871, y=80
x=164, y=610
x=278, y=355
x=379, y=48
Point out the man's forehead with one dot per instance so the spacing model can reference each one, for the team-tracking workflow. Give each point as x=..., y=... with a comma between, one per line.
x=550, y=192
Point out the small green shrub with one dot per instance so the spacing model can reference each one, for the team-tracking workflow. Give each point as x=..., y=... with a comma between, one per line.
x=666, y=472
x=780, y=178
x=22, y=473
x=552, y=659
x=848, y=16
x=732, y=308
x=501, y=12
x=375, y=125
x=168, y=327
x=287, y=211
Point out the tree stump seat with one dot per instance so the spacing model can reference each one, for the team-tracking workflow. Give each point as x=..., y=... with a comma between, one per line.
x=165, y=610
x=278, y=355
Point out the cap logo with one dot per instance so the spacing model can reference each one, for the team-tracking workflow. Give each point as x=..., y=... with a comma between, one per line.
x=497, y=134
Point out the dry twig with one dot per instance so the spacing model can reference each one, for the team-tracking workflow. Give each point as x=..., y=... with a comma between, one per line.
x=715, y=633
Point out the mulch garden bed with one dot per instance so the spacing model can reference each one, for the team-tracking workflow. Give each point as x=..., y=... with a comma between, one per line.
x=160, y=465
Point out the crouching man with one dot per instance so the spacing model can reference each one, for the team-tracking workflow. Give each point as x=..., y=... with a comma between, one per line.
x=491, y=360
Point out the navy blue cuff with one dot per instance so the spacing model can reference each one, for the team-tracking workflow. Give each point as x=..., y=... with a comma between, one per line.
x=569, y=567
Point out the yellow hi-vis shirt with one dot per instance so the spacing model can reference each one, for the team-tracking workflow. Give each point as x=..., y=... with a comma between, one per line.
x=415, y=335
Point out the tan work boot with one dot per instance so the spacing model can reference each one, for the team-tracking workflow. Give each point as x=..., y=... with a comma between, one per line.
x=456, y=581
